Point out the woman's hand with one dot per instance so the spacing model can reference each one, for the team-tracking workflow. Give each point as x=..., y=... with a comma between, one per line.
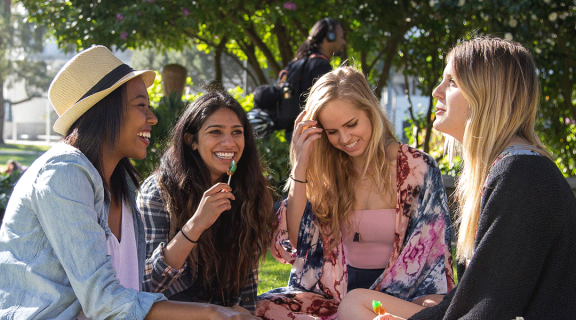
x=214, y=201
x=302, y=143
x=302, y=138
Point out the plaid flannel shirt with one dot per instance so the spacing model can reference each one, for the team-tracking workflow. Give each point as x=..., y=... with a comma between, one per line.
x=158, y=275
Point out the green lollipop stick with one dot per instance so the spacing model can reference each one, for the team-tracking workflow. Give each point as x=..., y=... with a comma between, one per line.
x=231, y=170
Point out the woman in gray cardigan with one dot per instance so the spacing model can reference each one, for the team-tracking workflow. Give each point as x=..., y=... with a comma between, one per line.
x=517, y=212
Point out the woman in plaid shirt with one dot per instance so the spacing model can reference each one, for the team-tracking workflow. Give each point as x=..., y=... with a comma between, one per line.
x=203, y=236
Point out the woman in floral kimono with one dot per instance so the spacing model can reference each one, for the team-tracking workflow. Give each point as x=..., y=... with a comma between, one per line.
x=363, y=211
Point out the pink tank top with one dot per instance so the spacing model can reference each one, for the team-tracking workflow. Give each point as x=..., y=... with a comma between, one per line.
x=124, y=254
x=376, y=230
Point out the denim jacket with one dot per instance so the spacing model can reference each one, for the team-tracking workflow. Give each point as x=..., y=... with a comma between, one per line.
x=53, y=254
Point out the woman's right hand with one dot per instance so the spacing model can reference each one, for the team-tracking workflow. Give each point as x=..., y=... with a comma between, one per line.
x=215, y=200
x=302, y=141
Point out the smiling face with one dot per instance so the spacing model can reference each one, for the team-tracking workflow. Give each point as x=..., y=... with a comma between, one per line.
x=136, y=124
x=347, y=127
x=452, y=106
x=220, y=140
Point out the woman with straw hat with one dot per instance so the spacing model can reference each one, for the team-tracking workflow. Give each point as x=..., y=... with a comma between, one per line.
x=72, y=243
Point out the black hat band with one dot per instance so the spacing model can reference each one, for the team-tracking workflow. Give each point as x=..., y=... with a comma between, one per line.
x=109, y=80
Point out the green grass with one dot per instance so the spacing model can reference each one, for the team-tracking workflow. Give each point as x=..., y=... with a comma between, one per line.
x=23, y=147
x=25, y=159
x=272, y=274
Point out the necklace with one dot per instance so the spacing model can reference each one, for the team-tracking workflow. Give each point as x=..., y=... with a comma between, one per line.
x=357, y=233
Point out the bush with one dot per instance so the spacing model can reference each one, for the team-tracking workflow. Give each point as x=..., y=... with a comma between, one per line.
x=7, y=183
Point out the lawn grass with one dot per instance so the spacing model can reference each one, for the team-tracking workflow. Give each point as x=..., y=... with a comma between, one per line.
x=23, y=147
x=272, y=274
x=25, y=159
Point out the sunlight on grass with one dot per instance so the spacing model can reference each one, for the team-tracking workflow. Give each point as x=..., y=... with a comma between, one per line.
x=272, y=274
x=23, y=158
x=23, y=147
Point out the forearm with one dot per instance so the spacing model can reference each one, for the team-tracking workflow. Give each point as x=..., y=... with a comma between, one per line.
x=197, y=311
x=178, y=250
x=180, y=310
x=296, y=204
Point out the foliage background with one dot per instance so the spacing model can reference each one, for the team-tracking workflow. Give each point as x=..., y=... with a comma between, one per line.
x=403, y=36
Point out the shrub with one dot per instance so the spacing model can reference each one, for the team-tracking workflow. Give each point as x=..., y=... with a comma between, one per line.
x=7, y=183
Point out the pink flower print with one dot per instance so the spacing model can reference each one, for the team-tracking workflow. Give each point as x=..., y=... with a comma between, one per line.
x=139, y=13
x=411, y=260
x=124, y=35
x=186, y=12
x=289, y=5
x=119, y=17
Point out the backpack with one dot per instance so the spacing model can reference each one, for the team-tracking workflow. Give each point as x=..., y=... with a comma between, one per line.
x=281, y=101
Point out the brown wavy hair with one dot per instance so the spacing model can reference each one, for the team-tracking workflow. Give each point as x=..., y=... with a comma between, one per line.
x=230, y=249
x=331, y=177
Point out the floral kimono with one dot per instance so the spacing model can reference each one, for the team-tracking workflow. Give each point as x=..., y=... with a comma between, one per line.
x=420, y=263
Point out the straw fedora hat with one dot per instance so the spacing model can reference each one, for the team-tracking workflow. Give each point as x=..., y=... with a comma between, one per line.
x=86, y=79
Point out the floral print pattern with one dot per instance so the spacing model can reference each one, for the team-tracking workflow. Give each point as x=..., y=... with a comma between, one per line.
x=420, y=264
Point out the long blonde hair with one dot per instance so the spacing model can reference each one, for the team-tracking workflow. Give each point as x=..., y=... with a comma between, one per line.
x=498, y=79
x=330, y=174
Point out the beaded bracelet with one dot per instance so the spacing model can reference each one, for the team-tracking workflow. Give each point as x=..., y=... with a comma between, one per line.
x=291, y=177
x=187, y=237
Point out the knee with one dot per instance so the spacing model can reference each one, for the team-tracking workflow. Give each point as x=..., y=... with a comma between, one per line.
x=351, y=301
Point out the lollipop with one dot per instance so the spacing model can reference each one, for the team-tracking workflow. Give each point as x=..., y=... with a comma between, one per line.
x=377, y=306
x=231, y=170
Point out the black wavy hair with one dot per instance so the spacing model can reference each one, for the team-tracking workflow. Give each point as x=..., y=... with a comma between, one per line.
x=229, y=250
x=104, y=119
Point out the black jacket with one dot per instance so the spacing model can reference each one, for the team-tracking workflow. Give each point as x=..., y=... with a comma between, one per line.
x=525, y=257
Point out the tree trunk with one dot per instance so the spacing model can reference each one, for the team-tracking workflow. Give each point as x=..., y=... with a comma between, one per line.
x=253, y=35
x=2, y=102
x=429, y=122
x=283, y=42
x=216, y=84
x=7, y=5
x=253, y=61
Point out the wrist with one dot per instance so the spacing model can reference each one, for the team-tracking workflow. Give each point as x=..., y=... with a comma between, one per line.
x=299, y=174
x=191, y=231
